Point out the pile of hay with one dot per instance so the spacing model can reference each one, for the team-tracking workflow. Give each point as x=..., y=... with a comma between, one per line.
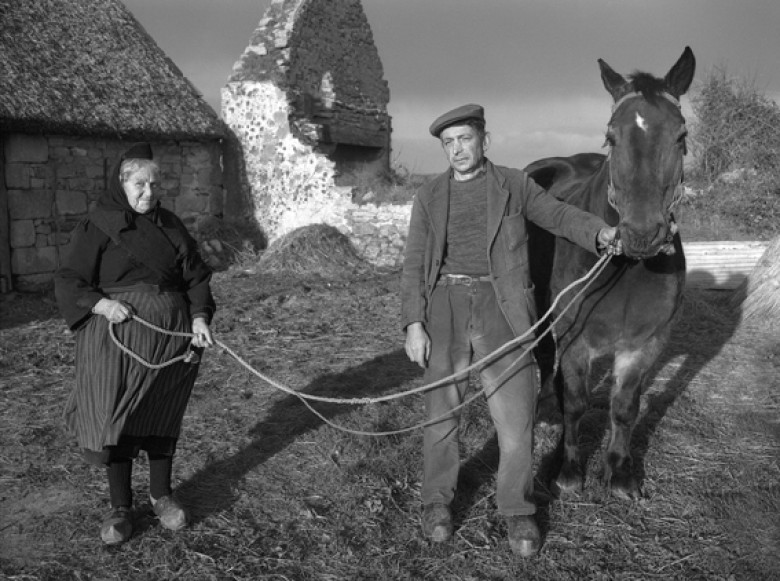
x=227, y=242
x=314, y=249
x=759, y=295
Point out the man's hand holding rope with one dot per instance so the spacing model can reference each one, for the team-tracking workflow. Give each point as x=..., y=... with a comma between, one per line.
x=608, y=242
x=418, y=344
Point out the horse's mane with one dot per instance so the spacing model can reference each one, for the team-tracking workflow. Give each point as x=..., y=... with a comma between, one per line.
x=645, y=83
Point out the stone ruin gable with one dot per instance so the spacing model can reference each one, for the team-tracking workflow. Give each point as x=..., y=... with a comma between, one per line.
x=51, y=182
x=308, y=103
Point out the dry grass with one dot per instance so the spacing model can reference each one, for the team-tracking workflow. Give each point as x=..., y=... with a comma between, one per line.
x=759, y=295
x=277, y=495
x=314, y=249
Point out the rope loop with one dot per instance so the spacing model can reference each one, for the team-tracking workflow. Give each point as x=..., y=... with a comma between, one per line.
x=305, y=398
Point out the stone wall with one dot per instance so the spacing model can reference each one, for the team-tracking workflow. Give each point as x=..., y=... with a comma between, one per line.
x=307, y=103
x=379, y=232
x=50, y=183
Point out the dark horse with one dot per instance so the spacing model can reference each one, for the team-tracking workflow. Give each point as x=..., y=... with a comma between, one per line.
x=627, y=312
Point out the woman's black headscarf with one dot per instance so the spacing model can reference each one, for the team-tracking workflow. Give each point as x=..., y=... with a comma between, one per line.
x=153, y=238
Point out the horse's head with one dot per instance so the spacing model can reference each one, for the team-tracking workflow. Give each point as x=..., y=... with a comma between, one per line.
x=646, y=138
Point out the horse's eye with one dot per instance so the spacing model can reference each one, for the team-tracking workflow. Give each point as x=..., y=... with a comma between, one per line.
x=681, y=141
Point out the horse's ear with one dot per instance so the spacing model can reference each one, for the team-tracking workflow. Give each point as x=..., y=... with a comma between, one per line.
x=614, y=82
x=679, y=77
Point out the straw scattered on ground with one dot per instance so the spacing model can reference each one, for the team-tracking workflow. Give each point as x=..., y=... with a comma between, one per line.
x=276, y=494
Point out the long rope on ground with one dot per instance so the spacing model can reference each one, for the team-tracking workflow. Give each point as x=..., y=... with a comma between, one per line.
x=588, y=278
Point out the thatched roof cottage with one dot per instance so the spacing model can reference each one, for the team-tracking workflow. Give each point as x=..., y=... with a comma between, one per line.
x=80, y=80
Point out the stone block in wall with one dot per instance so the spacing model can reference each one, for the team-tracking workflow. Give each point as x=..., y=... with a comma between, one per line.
x=95, y=171
x=22, y=233
x=60, y=152
x=70, y=203
x=198, y=156
x=81, y=184
x=204, y=175
x=388, y=230
x=26, y=148
x=171, y=186
x=363, y=228
x=216, y=201
x=17, y=176
x=216, y=177
x=188, y=179
x=58, y=239
x=192, y=204
x=69, y=170
x=29, y=204
x=33, y=260
x=33, y=282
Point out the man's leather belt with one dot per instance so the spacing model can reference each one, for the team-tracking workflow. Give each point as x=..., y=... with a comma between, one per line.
x=462, y=279
x=140, y=287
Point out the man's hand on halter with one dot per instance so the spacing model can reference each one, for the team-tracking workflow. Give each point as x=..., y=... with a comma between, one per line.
x=608, y=242
x=418, y=344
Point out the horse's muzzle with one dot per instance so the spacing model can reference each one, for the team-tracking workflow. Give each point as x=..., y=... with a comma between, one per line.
x=645, y=242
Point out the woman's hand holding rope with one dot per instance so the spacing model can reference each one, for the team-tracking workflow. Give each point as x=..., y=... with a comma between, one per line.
x=201, y=333
x=114, y=311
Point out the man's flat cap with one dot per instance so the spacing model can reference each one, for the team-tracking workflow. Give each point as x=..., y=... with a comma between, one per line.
x=461, y=113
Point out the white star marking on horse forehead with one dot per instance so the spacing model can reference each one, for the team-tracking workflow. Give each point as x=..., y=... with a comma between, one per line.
x=640, y=122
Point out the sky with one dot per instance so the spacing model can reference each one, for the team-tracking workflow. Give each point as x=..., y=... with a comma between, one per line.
x=532, y=64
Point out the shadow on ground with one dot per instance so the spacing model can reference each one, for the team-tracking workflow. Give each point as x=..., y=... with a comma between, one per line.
x=703, y=327
x=288, y=419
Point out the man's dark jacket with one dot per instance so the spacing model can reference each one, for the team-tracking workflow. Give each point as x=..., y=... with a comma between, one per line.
x=512, y=197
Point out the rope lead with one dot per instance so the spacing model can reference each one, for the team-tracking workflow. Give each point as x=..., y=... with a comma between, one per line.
x=588, y=278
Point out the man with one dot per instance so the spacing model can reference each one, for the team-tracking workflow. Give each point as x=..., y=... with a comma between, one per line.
x=465, y=292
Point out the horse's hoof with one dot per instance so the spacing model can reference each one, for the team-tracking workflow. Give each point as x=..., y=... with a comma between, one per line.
x=625, y=488
x=568, y=484
x=566, y=490
x=548, y=412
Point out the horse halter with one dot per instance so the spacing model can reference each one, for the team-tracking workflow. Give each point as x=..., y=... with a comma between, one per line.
x=678, y=189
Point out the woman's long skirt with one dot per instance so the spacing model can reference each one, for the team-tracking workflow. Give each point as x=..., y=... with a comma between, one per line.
x=116, y=396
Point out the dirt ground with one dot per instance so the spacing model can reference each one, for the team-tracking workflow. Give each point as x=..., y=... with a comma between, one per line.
x=279, y=495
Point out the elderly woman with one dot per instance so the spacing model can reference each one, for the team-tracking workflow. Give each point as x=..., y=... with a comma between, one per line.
x=132, y=256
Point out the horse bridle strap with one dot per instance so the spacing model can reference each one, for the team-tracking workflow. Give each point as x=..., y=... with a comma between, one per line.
x=678, y=191
x=678, y=188
x=668, y=96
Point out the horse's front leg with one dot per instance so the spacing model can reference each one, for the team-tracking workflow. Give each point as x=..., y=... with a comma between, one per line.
x=575, y=369
x=630, y=370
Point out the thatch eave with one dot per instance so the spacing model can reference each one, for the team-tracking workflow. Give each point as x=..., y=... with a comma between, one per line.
x=43, y=126
x=87, y=67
